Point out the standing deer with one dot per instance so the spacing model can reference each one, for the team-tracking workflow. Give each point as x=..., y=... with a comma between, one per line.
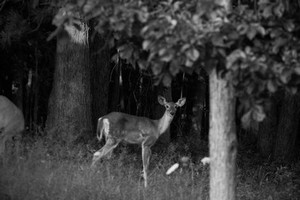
x=11, y=121
x=120, y=127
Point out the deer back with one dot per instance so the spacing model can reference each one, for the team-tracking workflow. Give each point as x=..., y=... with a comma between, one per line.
x=129, y=127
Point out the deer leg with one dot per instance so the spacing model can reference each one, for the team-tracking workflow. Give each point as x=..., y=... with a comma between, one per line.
x=146, y=153
x=3, y=138
x=105, y=150
x=2, y=147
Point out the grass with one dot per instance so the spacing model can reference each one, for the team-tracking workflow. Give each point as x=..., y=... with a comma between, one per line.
x=39, y=170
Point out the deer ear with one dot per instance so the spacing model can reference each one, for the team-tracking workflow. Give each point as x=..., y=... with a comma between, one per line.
x=161, y=100
x=181, y=102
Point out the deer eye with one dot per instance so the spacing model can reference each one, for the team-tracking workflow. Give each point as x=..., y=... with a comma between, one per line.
x=167, y=106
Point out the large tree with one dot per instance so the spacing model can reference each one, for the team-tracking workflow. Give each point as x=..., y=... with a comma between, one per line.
x=69, y=111
x=222, y=133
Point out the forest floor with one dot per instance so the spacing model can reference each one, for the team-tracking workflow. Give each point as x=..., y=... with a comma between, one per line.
x=40, y=170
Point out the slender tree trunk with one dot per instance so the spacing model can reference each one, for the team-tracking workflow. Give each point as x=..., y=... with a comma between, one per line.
x=222, y=138
x=100, y=64
x=200, y=119
x=18, y=97
x=267, y=130
x=114, y=99
x=287, y=127
x=222, y=134
x=69, y=112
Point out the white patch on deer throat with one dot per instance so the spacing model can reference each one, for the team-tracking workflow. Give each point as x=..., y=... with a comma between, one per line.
x=165, y=123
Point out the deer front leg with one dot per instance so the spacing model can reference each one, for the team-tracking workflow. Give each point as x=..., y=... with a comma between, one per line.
x=146, y=154
x=106, y=149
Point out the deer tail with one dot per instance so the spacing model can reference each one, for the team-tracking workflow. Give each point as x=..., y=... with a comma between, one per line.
x=100, y=127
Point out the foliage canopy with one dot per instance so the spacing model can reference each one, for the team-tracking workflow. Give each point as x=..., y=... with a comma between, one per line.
x=256, y=49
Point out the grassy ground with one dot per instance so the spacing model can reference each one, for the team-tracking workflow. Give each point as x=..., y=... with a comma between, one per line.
x=39, y=170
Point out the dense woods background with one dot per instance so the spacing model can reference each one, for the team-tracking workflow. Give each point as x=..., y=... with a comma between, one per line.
x=67, y=63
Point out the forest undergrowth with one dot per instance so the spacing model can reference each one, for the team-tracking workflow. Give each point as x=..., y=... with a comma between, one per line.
x=39, y=169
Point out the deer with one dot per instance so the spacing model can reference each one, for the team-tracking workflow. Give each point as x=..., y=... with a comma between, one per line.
x=11, y=122
x=119, y=127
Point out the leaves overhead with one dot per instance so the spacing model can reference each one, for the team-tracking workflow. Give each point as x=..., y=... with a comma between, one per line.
x=257, y=50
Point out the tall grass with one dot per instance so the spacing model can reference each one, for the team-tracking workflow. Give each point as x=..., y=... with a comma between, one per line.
x=39, y=170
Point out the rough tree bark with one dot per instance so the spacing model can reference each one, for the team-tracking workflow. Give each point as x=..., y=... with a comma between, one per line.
x=222, y=138
x=222, y=134
x=69, y=112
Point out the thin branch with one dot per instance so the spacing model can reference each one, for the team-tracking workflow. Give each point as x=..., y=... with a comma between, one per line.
x=2, y=4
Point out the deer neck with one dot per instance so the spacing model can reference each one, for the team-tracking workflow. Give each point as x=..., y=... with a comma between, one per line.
x=164, y=122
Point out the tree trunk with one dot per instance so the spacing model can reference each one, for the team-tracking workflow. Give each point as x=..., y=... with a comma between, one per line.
x=100, y=64
x=222, y=138
x=69, y=112
x=287, y=127
x=200, y=108
x=267, y=130
x=115, y=88
x=222, y=134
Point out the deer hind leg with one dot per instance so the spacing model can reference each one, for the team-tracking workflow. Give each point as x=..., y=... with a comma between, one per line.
x=2, y=146
x=105, y=150
x=3, y=138
x=146, y=153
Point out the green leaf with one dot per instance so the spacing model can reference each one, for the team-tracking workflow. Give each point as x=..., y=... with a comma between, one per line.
x=162, y=51
x=193, y=54
x=157, y=68
x=233, y=57
x=125, y=51
x=246, y=119
x=278, y=43
x=274, y=33
x=143, y=15
x=260, y=29
x=289, y=25
x=188, y=63
x=174, y=67
x=167, y=80
x=297, y=69
x=146, y=44
x=167, y=57
x=251, y=33
x=242, y=28
x=285, y=76
x=258, y=113
x=278, y=10
x=271, y=85
x=218, y=41
x=267, y=12
x=263, y=1
x=185, y=47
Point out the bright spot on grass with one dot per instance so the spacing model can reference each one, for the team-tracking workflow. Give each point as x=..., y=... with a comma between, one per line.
x=172, y=169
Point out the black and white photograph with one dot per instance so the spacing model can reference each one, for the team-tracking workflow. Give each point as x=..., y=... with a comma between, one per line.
x=149, y=99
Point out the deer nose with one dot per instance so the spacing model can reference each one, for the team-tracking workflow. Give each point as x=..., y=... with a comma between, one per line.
x=172, y=112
